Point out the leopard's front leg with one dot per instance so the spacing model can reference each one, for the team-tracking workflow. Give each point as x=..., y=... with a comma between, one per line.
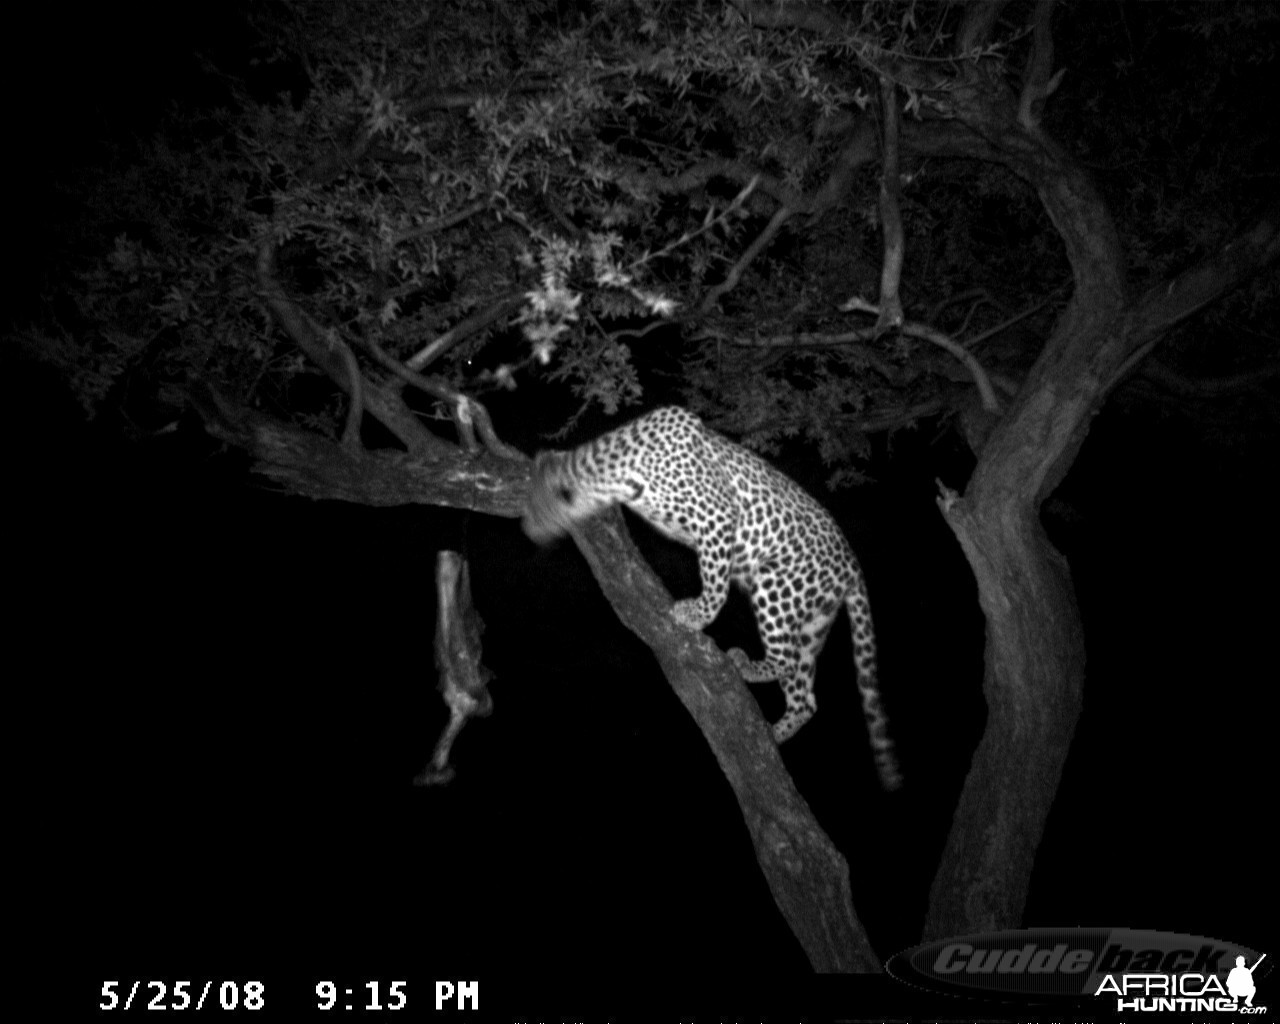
x=714, y=552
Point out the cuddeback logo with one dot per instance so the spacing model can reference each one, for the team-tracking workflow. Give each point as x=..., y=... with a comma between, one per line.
x=1142, y=971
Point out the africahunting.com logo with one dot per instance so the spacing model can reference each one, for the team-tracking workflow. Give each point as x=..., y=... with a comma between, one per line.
x=1187, y=991
x=1133, y=971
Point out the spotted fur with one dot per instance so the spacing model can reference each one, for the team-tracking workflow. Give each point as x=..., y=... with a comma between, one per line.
x=751, y=526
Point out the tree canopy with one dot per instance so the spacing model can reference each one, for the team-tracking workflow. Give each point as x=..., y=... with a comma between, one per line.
x=573, y=199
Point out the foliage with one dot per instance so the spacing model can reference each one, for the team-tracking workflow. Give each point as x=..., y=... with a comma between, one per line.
x=601, y=167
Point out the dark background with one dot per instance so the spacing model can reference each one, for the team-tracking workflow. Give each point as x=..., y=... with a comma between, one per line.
x=243, y=688
x=230, y=692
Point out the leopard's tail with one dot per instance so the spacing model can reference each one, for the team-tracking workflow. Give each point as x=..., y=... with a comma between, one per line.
x=864, y=659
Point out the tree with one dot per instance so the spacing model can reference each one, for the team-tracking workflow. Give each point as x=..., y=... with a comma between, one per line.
x=824, y=222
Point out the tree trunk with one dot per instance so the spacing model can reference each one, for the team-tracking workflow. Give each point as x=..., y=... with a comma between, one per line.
x=1034, y=672
x=1033, y=681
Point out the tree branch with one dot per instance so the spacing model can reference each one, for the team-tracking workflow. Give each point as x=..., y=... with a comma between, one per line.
x=1208, y=387
x=355, y=411
x=464, y=329
x=433, y=227
x=890, y=212
x=1038, y=85
x=935, y=337
x=845, y=340
x=305, y=463
x=806, y=874
x=1168, y=303
x=771, y=229
x=384, y=406
x=858, y=151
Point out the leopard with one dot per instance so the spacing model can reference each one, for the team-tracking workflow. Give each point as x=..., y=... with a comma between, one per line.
x=751, y=526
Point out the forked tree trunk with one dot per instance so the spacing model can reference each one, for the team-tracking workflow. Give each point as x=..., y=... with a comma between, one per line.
x=1034, y=664
x=1034, y=669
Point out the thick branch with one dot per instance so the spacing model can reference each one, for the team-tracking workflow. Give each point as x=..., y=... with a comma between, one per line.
x=890, y=213
x=962, y=354
x=934, y=337
x=355, y=388
x=846, y=341
x=1170, y=302
x=384, y=406
x=464, y=329
x=1038, y=84
x=979, y=23
x=807, y=875
x=858, y=150
x=307, y=464
x=1208, y=387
